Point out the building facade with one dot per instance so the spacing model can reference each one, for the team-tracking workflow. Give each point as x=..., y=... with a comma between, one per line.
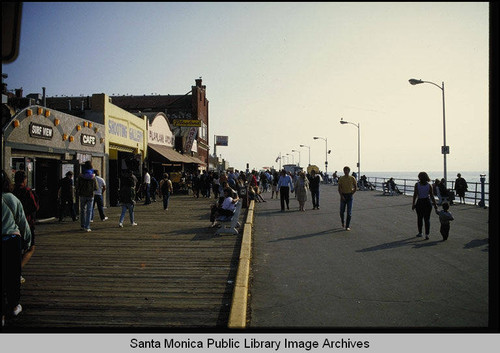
x=46, y=144
x=125, y=143
x=189, y=141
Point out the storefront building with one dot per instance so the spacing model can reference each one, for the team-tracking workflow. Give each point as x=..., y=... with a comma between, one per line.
x=125, y=142
x=46, y=144
x=190, y=141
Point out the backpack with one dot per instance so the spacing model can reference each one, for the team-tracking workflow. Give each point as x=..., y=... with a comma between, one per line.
x=86, y=187
x=164, y=187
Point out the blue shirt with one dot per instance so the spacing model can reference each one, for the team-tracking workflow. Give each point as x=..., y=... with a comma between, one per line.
x=285, y=181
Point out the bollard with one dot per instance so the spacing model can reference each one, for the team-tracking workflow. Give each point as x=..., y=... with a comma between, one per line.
x=482, y=179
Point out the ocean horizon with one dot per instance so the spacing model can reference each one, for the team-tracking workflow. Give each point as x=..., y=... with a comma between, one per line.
x=469, y=176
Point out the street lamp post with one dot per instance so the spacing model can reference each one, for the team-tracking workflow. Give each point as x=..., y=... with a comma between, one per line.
x=342, y=121
x=309, y=153
x=444, y=149
x=299, y=156
x=326, y=153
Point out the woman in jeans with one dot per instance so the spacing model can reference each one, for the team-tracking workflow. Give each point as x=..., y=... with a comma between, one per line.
x=127, y=198
x=423, y=195
x=16, y=238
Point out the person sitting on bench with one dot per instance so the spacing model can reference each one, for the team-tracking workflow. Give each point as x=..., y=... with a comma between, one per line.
x=226, y=208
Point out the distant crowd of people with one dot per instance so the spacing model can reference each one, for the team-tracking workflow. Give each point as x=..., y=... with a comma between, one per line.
x=20, y=204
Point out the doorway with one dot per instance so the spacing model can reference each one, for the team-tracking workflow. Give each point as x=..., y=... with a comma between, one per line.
x=46, y=186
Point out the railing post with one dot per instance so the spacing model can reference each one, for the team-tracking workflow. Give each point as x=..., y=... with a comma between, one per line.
x=483, y=179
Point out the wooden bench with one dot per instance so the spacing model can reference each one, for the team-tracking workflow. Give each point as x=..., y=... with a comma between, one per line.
x=230, y=226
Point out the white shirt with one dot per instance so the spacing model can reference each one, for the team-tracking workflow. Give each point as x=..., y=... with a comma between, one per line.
x=228, y=204
x=147, y=178
x=100, y=184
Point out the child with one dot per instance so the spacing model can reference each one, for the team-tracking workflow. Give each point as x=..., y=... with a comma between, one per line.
x=445, y=217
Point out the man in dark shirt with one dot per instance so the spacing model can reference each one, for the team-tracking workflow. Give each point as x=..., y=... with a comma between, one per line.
x=314, y=181
x=66, y=196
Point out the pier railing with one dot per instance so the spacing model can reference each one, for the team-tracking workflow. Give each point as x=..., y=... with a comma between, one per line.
x=406, y=186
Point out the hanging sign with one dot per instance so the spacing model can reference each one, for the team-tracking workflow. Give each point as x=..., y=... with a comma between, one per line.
x=187, y=122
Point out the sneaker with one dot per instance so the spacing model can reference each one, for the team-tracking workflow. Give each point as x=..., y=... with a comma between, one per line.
x=120, y=225
x=419, y=235
x=348, y=229
x=134, y=224
x=17, y=310
x=427, y=237
x=88, y=230
x=91, y=221
x=105, y=219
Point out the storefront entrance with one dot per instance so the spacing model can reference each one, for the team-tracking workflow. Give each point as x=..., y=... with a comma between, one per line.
x=46, y=185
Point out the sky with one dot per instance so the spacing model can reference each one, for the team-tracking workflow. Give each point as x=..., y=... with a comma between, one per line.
x=278, y=74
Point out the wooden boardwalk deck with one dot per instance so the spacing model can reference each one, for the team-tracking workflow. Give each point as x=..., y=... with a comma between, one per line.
x=170, y=271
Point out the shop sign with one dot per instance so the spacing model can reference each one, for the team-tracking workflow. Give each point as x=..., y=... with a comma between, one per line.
x=135, y=135
x=41, y=131
x=187, y=122
x=83, y=157
x=221, y=140
x=88, y=140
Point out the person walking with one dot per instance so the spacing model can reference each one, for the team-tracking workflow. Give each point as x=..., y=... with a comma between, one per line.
x=347, y=186
x=86, y=185
x=285, y=185
x=16, y=238
x=147, y=186
x=66, y=196
x=127, y=198
x=445, y=217
x=30, y=203
x=423, y=196
x=98, y=197
x=301, y=187
x=314, y=187
x=274, y=184
x=154, y=188
x=166, y=190
x=460, y=187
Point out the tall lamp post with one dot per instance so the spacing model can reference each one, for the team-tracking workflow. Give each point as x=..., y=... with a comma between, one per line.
x=309, y=153
x=326, y=153
x=342, y=121
x=299, y=156
x=444, y=149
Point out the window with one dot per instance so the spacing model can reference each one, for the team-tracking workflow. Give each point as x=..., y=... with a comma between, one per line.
x=203, y=133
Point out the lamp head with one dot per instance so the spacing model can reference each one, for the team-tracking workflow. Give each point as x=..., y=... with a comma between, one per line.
x=414, y=81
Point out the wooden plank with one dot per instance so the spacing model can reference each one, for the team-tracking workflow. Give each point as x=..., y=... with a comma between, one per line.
x=169, y=271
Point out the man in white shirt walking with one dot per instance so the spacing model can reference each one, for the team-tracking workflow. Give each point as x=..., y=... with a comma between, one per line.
x=147, y=184
x=98, y=197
